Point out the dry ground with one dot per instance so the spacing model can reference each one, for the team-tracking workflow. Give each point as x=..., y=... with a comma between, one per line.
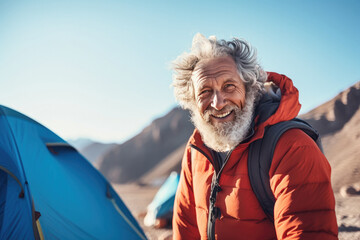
x=348, y=217
x=138, y=197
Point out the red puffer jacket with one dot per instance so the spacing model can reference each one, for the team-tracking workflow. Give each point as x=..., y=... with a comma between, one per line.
x=299, y=179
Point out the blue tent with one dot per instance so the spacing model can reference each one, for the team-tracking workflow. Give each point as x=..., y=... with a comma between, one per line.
x=49, y=191
x=162, y=205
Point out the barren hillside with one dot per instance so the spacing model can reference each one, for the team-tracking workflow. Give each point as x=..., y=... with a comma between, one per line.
x=138, y=156
x=338, y=122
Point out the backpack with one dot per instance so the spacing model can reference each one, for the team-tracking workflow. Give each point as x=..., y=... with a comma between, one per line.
x=260, y=157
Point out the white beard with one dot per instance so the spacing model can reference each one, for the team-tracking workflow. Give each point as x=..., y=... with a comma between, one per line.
x=224, y=137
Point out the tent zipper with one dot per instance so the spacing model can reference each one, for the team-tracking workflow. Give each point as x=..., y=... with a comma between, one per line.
x=22, y=193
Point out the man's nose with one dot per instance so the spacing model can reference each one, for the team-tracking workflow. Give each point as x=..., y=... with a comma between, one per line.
x=218, y=101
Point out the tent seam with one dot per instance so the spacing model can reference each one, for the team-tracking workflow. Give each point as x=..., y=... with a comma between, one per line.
x=23, y=172
x=126, y=219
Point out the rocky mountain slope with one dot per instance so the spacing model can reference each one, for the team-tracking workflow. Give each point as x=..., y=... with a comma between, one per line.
x=338, y=122
x=333, y=115
x=95, y=150
x=90, y=149
x=138, y=156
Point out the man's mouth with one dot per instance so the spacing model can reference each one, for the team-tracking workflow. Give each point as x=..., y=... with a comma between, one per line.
x=222, y=115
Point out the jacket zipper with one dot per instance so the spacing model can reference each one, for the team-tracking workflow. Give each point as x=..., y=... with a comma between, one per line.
x=214, y=212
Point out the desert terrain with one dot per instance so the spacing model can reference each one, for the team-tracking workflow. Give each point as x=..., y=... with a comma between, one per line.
x=138, y=197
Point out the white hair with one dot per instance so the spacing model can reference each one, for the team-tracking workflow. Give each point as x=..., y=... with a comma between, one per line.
x=202, y=48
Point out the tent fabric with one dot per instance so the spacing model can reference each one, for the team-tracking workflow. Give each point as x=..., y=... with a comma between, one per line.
x=163, y=202
x=75, y=201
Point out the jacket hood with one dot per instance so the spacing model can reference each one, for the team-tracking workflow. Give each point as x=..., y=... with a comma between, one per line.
x=280, y=101
x=289, y=105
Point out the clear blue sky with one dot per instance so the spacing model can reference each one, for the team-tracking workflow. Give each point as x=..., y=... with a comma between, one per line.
x=100, y=69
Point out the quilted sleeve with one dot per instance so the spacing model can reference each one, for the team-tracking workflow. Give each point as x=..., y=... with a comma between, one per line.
x=300, y=181
x=184, y=219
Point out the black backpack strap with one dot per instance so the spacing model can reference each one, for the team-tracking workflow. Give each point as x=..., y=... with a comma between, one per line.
x=260, y=158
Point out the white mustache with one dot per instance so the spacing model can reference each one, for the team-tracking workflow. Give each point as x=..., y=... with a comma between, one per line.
x=225, y=110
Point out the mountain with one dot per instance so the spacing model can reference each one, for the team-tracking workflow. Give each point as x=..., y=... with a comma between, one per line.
x=138, y=156
x=338, y=122
x=149, y=157
x=90, y=149
x=343, y=152
x=162, y=169
x=333, y=115
x=80, y=143
x=95, y=150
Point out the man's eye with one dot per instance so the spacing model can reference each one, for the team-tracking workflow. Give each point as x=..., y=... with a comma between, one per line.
x=229, y=87
x=204, y=92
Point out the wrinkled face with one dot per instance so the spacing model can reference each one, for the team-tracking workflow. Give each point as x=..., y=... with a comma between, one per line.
x=219, y=90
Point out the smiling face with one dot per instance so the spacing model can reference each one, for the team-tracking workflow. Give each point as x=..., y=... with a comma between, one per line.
x=219, y=90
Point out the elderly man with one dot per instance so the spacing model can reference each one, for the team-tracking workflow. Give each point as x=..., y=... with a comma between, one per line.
x=231, y=100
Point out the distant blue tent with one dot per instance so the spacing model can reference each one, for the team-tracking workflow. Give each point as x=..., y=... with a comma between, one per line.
x=40, y=174
x=163, y=203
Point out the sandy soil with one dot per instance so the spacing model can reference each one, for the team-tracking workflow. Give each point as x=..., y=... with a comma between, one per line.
x=348, y=217
x=138, y=197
